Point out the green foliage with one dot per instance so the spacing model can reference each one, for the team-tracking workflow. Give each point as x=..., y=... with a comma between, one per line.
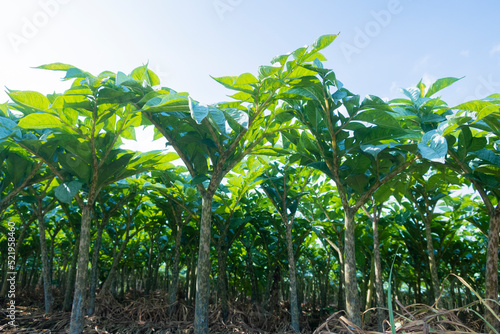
x=289, y=131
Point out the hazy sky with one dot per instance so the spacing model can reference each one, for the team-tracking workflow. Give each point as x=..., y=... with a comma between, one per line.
x=382, y=46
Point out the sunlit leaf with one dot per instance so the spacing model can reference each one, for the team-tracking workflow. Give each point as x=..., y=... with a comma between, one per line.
x=66, y=191
x=30, y=99
x=433, y=147
x=440, y=84
x=40, y=121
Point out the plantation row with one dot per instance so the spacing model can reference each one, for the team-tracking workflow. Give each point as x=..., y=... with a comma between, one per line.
x=298, y=190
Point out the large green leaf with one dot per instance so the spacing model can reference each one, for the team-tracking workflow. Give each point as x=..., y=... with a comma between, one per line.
x=17, y=168
x=267, y=71
x=383, y=193
x=245, y=79
x=200, y=178
x=412, y=92
x=374, y=150
x=56, y=67
x=75, y=165
x=198, y=111
x=440, y=84
x=373, y=135
x=217, y=117
x=115, y=167
x=30, y=99
x=74, y=73
x=375, y=102
x=40, y=121
x=468, y=143
x=355, y=164
x=122, y=78
x=66, y=191
x=433, y=146
x=7, y=127
x=311, y=92
x=378, y=117
x=236, y=118
x=474, y=105
x=281, y=59
x=323, y=41
x=270, y=151
x=241, y=83
x=339, y=95
x=358, y=182
x=489, y=156
x=167, y=103
x=486, y=111
x=71, y=101
x=4, y=110
x=142, y=74
x=298, y=53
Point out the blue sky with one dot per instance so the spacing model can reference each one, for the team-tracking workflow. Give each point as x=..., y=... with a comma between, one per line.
x=383, y=45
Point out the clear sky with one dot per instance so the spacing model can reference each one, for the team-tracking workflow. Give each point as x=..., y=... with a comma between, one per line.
x=383, y=45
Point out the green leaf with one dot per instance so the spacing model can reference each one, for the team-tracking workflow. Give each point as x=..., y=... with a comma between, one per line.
x=412, y=93
x=356, y=164
x=374, y=150
x=115, y=168
x=245, y=79
x=142, y=74
x=489, y=170
x=167, y=103
x=56, y=67
x=76, y=165
x=74, y=72
x=432, y=118
x=375, y=102
x=468, y=143
x=311, y=92
x=198, y=111
x=421, y=87
x=30, y=99
x=339, y=95
x=236, y=118
x=267, y=71
x=230, y=82
x=297, y=54
x=281, y=59
x=440, y=84
x=358, y=182
x=71, y=101
x=383, y=193
x=374, y=135
x=378, y=117
x=66, y=191
x=489, y=156
x=17, y=168
x=404, y=113
x=474, y=105
x=242, y=96
x=4, y=109
x=301, y=72
x=270, y=151
x=40, y=121
x=199, y=179
x=217, y=116
x=323, y=41
x=486, y=111
x=7, y=127
x=122, y=78
x=433, y=147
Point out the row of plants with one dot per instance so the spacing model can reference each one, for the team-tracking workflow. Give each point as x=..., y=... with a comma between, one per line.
x=296, y=175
